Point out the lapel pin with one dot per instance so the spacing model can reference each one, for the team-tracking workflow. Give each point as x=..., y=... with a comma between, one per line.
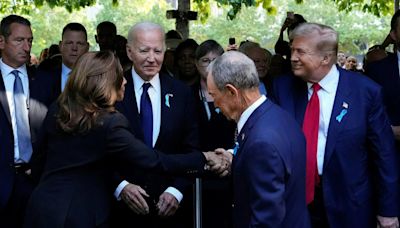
x=236, y=148
x=217, y=110
x=167, y=96
x=343, y=112
x=242, y=136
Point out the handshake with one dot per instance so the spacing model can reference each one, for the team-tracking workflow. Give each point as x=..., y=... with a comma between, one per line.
x=219, y=161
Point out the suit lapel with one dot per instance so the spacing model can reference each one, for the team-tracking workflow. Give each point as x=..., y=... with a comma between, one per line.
x=130, y=105
x=301, y=99
x=244, y=133
x=3, y=99
x=166, y=113
x=335, y=126
x=32, y=87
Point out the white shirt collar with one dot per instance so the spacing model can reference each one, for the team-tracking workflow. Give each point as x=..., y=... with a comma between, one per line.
x=329, y=82
x=138, y=82
x=65, y=70
x=6, y=69
x=247, y=113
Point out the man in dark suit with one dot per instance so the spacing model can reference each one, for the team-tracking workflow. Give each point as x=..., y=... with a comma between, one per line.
x=73, y=44
x=352, y=173
x=161, y=112
x=25, y=95
x=386, y=73
x=269, y=158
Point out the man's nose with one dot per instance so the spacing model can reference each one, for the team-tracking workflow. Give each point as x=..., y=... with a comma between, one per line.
x=27, y=46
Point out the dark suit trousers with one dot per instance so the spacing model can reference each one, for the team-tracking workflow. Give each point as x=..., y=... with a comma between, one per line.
x=317, y=209
x=14, y=213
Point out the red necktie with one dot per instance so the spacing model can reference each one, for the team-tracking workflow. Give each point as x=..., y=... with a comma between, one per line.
x=310, y=129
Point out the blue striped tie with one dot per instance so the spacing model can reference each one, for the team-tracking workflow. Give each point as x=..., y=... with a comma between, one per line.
x=21, y=116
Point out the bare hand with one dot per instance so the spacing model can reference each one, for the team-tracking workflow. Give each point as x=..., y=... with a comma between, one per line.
x=218, y=162
x=227, y=157
x=167, y=205
x=387, y=222
x=396, y=132
x=132, y=195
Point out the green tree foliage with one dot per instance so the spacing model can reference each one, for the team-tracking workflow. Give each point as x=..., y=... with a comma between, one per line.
x=47, y=24
x=357, y=30
x=132, y=11
x=376, y=7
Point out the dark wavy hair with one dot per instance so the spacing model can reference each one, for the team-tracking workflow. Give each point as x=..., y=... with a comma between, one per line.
x=91, y=90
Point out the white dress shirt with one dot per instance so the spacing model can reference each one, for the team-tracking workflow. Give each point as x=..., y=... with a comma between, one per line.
x=249, y=110
x=154, y=92
x=65, y=71
x=326, y=96
x=9, y=79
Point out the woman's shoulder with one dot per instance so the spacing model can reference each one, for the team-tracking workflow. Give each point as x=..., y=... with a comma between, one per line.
x=112, y=119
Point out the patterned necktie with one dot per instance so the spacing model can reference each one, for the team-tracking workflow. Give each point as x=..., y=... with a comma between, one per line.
x=21, y=116
x=146, y=116
x=310, y=129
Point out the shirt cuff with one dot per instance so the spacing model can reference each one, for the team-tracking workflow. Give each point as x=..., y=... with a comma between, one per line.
x=230, y=151
x=119, y=189
x=175, y=192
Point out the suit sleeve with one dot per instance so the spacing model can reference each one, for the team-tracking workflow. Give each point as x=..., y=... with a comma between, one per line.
x=267, y=185
x=125, y=148
x=191, y=137
x=386, y=158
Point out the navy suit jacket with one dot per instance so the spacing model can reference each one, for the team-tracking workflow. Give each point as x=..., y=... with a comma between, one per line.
x=386, y=74
x=178, y=131
x=41, y=95
x=269, y=171
x=359, y=149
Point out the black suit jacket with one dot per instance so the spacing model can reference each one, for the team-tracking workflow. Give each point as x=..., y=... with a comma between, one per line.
x=41, y=95
x=75, y=189
x=178, y=131
x=386, y=74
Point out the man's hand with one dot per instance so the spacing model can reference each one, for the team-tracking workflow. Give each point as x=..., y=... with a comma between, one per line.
x=396, y=132
x=218, y=162
x=387, y=222
x=227, y=158
x=132, y=195
x=167, y=205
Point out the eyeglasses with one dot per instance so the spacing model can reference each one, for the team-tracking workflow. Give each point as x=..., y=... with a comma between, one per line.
x=205, y=62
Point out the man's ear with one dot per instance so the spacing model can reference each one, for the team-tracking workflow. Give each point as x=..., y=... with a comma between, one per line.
x=129, y=51
x=393, y=35
x=231, y=89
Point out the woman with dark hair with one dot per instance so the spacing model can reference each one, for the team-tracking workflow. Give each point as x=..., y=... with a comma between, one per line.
x=215, y=132
x=185, y=62
x=87, y=141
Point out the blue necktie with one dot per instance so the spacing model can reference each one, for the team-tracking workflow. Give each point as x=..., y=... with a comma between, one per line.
x=21, y=116
x=146, y=116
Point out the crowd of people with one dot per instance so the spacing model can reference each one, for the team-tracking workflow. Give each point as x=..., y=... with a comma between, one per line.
x=116, y=137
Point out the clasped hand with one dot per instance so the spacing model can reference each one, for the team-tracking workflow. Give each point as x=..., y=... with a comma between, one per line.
x=219, y=161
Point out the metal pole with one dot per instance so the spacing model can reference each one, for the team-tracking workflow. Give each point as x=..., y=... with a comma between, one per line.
x=198, y=203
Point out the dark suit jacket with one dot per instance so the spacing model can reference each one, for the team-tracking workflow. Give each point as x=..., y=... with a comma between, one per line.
x=359, y=148
x=269, y=171
x=178, y=131
x=40, y=97
x=386, y=74
x=75, y=189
